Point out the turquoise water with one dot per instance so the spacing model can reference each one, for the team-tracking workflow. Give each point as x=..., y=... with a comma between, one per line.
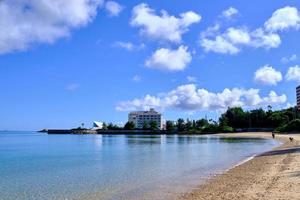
x=40, y=166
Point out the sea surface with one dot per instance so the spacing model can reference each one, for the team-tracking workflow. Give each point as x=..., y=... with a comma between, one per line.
x=40, y=166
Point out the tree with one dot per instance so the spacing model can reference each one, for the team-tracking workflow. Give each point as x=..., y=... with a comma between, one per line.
x=153, y=125
x=170, y=126
x=180, y=124
x=104, y=126
x=145, y=126
x=112, y=126
x=223, y=120
x=292, y=126
x=258, y=118
x=237, y=118
x=201, y=123
x=129, y=126
x=188, y=125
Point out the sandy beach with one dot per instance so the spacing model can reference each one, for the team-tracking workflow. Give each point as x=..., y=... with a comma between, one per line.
x=272, y=175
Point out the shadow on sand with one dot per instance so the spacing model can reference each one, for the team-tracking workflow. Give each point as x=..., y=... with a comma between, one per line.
x=295, y=174
x=282, y=151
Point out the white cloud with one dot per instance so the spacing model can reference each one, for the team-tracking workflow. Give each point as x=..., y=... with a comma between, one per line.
x=144, y=104
x=162, y=27
x=191, y=79
x=283, y=18
x=238, y=36
x=170, y=60
x=113, y=8
x=289, y=105
x=267, y=75
x=129, y=46
x=234, y=39
x=219, y=45
x=291, y=58
x=25, y=23
x=230, y=12
x=293, y=74
x=265, y=40
x=136, y=78
x=211, y=31
x=190, y=98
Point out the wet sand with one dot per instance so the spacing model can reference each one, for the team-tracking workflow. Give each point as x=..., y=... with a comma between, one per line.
x=273, y=175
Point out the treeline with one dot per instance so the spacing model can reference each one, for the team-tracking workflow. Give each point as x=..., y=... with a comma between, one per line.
x=152, y=125
x=234, y=119
x=237, y=119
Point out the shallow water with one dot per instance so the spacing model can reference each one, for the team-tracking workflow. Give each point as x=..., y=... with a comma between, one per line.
x=40, y=166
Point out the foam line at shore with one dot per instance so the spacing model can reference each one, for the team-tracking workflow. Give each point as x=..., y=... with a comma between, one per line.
x=243, y=161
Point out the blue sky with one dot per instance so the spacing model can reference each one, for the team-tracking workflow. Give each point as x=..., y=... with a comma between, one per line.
x=64, y=62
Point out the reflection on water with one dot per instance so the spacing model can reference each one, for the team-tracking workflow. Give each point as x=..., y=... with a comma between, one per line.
x=182, y=139
x=40, y=166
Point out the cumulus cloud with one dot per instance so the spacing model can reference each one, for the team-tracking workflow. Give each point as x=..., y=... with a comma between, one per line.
x=283, y=18
x=238, y=36
x=129, y=46
x=293, y=74
x=267, y=75
x=291, y=58
x=190, y=98
x=169, y=59
x=113, y=8
x=24, y=23
x=145, y=104
x=230, y=12
x=260, y=38
x=162, y=27
x=233, y=39
x=219, y=45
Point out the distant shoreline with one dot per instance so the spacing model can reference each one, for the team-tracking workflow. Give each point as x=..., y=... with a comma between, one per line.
x=132, y=132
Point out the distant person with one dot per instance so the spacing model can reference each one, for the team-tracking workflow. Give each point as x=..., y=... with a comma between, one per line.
x=291, y=139
x=273, y=135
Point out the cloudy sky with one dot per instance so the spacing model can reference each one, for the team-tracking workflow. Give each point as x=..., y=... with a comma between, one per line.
x=63, y=62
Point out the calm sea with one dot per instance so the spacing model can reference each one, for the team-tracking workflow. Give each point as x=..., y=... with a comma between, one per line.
x=40, y=166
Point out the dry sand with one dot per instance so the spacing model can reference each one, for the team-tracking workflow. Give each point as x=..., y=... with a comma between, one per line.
x=274, y=175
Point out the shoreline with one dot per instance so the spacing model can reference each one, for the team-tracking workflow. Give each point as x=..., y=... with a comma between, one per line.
x=271, y=175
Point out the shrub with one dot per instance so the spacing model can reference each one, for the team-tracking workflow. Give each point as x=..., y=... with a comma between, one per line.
x=292, y=126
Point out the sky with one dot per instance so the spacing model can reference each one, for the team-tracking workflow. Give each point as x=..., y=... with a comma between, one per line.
x=67, y=62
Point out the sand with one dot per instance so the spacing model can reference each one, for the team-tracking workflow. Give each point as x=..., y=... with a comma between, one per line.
x=272, y=176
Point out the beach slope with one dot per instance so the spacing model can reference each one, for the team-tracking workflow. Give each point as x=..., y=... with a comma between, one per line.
x=272, y=175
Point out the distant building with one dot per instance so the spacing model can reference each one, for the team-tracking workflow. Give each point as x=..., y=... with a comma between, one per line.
x=298, y=97
x=140, y=118
x=97, y=125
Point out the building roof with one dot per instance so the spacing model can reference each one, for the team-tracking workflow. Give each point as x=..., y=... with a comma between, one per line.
x=150, y=112
x=98, y=124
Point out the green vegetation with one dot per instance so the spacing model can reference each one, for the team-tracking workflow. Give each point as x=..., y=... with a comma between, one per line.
x=292, y=126
x=237, y=119
x=129, y=126
x=259, y=118
x=153, y=125
x=234, y=119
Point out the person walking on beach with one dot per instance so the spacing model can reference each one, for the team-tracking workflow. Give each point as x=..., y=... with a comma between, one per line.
x=273, y=135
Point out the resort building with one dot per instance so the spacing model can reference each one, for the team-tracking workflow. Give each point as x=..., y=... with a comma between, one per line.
x=142, y=118
x=298, y=97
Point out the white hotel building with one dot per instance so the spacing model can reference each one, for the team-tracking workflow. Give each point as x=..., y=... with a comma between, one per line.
x=139, y=118
x=298, y=97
